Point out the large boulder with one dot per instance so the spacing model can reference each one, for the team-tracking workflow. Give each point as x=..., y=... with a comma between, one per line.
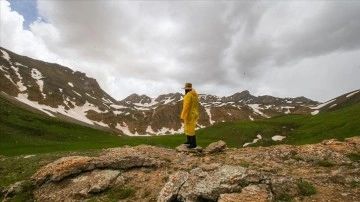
x=62, y=168
x=116, y=158
x=79, y=187
x=201, y=185
x=215, y=147
x=258, y=193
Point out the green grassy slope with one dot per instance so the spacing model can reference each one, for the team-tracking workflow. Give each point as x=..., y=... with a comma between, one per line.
x=299, y=129
x=26, y=132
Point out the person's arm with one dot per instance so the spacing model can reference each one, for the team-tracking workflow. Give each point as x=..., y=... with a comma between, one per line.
x=186, y=107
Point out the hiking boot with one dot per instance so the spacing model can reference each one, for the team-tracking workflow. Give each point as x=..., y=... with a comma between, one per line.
x=191, y=146
x=187, y=143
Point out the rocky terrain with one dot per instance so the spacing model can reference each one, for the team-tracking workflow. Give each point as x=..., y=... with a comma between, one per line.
x=328, y=171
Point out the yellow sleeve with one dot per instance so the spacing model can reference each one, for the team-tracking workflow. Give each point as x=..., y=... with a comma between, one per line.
x=186, y=107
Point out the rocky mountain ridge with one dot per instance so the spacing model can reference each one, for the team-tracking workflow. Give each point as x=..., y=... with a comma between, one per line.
x=327, y=171
x=60, y=92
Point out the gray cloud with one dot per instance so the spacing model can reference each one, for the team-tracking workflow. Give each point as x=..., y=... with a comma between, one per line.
x=223, y=47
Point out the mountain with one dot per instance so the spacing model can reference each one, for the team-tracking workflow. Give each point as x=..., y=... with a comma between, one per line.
x=58, y=91
x=342, y=101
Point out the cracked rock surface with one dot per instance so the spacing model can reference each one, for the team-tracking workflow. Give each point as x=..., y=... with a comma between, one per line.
x=318, y=172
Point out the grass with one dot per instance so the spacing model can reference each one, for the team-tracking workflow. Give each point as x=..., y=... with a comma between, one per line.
x=305, y=188
x=354, y=156
x=25, y=132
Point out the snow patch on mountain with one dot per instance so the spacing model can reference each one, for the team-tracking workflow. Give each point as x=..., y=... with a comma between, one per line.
x=71, y=84
x=353, y=93
x=258, y=137
x=125, y=130
x=278, y=137
x=20, y=84
x=36, y=74
x=23, y=97
x=90, y=96
x=323, y=104
x=287, y=108
x=256, y=108
x=5, y=55
x=209, y=114
x=77, y=93
x=163, y=131
x=78, y=112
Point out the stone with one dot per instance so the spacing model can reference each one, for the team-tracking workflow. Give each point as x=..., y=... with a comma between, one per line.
x=284, y=186
x=200, y=185
x=183, y=148
x=122, y=158
x=79, y=187
x=171, y=189
x=14, y=189
x=215, y=147
x=258, y=193
x=62, y=168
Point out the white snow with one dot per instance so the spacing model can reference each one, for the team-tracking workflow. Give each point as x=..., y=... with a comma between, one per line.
x=287, y=109
x=142, y=108
x=163, y=131
x=71, y=84
x=256, y=109
x=61, y=90
x=332, y=105
x=169, y=100
x=152, y=103
x=5, y=55
x=258, y=137
x=28, y=156
x=20, y=84
x=278, y=138
x=107, y=101
x=19, y=64
x=101, y=124
x=353, y=93
x=78, y=112
x=90, y=96
x=23, y=97
x=77, y=93
x=118, y=112
x=251, y=118
x=323, y=104
x=2, y=69
x=125, y=129
x=315, y=112
x=209, y=114
x=36, y=74
x=118, y=106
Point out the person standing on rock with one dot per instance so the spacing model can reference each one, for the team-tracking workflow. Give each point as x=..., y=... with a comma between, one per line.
x=190, y=115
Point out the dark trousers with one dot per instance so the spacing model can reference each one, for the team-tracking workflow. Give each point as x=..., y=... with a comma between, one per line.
x=191, y=140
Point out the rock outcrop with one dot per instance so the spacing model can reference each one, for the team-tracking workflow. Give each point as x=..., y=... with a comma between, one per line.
x=328, y=171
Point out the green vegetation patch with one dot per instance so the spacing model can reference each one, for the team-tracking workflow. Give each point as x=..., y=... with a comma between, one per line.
x=354, y=157
x=119, y=193
x=324, y=163
x=305, y=188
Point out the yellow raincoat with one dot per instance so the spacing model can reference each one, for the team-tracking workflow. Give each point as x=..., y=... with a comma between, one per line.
x=190, y=112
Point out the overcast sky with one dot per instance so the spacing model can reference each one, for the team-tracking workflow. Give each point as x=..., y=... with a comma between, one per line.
x=279, y=48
